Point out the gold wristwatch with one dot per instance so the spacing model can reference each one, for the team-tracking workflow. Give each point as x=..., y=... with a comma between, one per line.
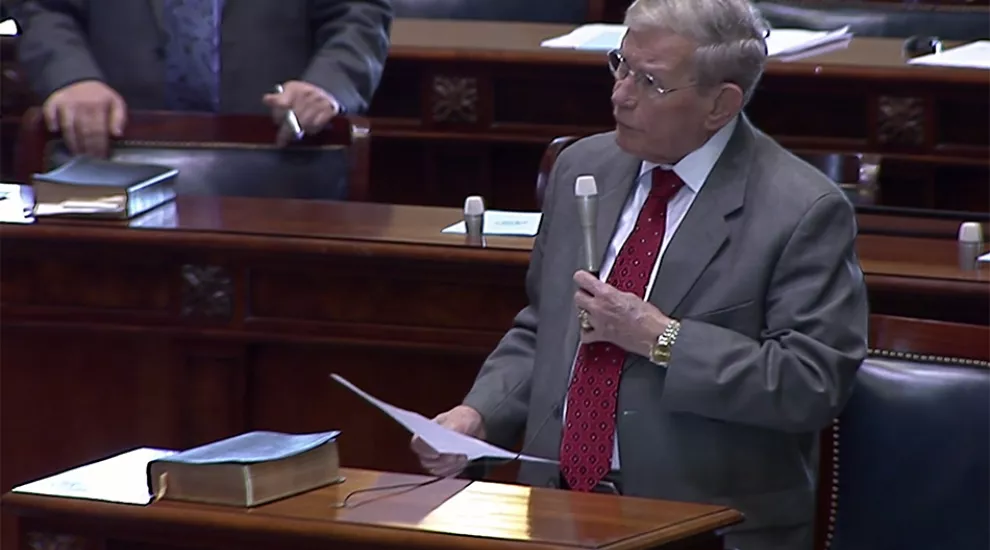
x=660, y=352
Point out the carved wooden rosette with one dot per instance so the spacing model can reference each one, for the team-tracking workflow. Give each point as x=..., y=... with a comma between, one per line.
x=901, y=121
x=455, y=99
x=207, y=291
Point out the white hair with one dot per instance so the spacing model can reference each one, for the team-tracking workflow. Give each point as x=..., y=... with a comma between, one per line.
x=731, y=36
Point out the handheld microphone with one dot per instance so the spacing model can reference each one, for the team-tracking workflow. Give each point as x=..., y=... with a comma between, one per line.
x=474, y=220
x=970, y=244
x=586, y=195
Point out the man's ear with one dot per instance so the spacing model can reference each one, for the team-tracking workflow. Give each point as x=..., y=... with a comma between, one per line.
x=726, y=102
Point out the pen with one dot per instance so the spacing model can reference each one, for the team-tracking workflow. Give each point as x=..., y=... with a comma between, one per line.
x=290, y=118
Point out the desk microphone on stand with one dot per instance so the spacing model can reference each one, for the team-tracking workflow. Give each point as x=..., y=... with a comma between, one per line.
x=474, y=220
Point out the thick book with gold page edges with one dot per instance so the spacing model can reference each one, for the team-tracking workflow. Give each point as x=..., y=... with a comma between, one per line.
x=248, y=470
x=92, y=187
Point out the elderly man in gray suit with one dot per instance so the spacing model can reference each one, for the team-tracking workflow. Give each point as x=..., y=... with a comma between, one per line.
x=92, y=59
x=714, y=387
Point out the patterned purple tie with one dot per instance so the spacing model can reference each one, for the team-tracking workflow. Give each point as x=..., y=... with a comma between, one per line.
x=192, y=54
x=589, y=429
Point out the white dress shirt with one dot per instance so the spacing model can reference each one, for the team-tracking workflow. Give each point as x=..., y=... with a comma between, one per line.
x=693, y=170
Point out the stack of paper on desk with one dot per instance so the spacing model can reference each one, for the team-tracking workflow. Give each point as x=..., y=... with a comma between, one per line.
x=781, y=42
x=975, y=55
x=122, y=479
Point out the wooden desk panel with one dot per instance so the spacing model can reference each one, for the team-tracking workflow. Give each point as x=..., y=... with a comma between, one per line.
x=450, y=514
x=472, y=105
x=467, y=107
x=220, y=316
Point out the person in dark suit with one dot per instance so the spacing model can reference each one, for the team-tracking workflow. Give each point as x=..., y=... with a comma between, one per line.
x=729, y=320
x=93, y=59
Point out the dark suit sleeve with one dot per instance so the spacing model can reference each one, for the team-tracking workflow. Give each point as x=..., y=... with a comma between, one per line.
x=352, y=39
x=798, y=375
x=52, y=48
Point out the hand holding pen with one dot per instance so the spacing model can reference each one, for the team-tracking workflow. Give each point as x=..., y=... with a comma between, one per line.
x=300, y=108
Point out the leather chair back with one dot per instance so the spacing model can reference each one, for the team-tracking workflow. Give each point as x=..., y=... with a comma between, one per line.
x=224, y=155
x=911, y=456
x=907, y=463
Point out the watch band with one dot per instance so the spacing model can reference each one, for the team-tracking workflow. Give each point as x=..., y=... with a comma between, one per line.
x=669, y=334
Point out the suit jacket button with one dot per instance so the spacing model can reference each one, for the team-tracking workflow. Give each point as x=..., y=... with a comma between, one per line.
x=553, y=483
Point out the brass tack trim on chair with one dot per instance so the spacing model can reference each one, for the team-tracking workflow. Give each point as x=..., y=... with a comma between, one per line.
x=917, y=357
x=885, y=354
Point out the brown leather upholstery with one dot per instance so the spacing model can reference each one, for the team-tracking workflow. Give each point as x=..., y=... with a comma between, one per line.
x=224, y=154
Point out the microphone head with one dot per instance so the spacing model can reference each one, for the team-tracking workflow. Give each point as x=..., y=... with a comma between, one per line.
x=971, y=232
x=585, y=186
x=474, y=206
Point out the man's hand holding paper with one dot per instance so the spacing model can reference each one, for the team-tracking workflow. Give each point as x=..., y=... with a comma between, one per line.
x=461, y=419
x=449, y=440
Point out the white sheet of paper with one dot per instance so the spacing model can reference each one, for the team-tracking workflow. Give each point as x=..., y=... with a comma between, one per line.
x=8, y=28
x=790, y=41
x=984, y=258
x=501, y=222
x=604, y=37
x=12, y=205
x=122, y=479
x=975, y=55
x=435, y=435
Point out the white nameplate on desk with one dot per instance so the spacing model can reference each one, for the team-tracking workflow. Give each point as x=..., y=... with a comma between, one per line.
x=501, y=222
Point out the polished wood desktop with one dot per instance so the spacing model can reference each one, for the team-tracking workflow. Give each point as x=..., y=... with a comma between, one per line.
x=468, y=107
x=211, y=317
x=447, y=514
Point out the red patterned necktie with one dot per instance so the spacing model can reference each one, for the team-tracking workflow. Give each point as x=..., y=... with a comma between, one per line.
x=589, y=429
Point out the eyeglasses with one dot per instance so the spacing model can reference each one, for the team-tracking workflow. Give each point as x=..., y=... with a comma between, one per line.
x=645, y=82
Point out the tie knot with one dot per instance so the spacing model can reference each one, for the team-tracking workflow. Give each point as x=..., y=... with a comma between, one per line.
x=666, y=183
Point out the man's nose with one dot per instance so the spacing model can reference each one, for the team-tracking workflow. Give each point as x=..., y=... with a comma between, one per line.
x=623, y=93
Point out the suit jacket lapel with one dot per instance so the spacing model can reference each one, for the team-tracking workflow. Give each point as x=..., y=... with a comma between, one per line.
x=704, y=229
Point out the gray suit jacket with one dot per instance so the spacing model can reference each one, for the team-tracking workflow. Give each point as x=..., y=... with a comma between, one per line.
x=764, y=277
x=339, y=45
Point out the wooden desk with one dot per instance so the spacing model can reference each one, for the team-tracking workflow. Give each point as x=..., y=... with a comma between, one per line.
x=449, y=514
x=220, y=316
x=468, y=107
